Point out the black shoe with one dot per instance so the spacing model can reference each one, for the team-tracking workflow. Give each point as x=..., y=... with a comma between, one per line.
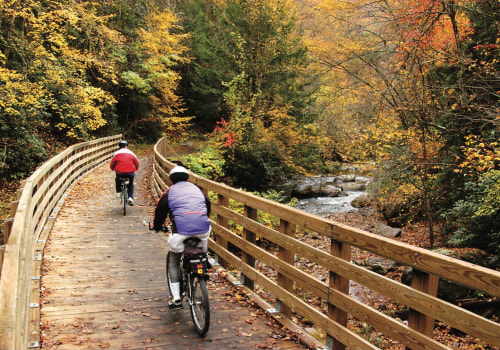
x=175, y=304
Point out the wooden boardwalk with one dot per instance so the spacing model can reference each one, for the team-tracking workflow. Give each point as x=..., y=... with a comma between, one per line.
x=104, y=285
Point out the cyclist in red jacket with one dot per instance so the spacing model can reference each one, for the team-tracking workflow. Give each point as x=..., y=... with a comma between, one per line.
x=125, y=164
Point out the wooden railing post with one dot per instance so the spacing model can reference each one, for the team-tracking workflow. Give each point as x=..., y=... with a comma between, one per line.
x=288, y=256
x=2, y=252
x=250, y=237
x=341, y=284
x=224, y=222
x=7, y=227
x=426, y=283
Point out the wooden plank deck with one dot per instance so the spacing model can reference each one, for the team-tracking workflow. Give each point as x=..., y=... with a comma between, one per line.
x=104, y=285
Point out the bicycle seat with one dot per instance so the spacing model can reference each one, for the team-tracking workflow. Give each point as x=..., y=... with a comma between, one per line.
x=192, y=241
x=124, y=181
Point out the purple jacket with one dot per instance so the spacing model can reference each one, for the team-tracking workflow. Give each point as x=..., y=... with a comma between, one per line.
x=187, y=207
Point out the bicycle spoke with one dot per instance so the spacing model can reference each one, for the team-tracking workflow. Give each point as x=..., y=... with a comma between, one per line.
x=199, y=305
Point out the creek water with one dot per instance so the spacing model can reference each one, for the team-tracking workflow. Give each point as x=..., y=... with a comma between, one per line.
x=324, y=206
x=325, y=195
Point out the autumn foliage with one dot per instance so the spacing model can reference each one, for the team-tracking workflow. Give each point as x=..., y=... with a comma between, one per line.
x=75, y=71
x=413, y=85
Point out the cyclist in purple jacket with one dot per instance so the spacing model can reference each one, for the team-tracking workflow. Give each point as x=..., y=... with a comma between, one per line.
x=188, y=209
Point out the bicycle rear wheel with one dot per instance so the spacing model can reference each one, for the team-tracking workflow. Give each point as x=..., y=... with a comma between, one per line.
x=199, y=305
x=124, y=199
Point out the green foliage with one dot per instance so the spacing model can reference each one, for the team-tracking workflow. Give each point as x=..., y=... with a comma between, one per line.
x=21, y=156
x=206, y=163
x=153, y=109
x=475, y=220
x=490, y=203
x=253, y=39
x=255, y=165
x=211, y=65
x=248, y=74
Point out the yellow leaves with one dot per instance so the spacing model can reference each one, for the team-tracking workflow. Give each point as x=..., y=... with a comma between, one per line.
x=58, y=44
x=163, y=51
x=18, y=95
x=157, y=38
x=481, y=156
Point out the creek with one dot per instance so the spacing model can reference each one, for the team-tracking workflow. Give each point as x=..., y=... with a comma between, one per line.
x=325, y=195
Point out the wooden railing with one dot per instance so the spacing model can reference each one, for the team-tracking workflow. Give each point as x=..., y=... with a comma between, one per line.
x=37, y=204
x=420, y=298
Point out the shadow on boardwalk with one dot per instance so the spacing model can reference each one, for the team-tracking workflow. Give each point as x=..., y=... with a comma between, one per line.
x=104, y=285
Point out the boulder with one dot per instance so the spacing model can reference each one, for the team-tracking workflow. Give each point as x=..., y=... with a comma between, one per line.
x=377, y=264
x=386, y=231
x=347, y=177
x=361, y=202
x=354, y=186
x=316, y=190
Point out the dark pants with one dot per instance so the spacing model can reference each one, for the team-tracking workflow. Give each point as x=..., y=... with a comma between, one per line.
x=130, y=183
x=174, y=267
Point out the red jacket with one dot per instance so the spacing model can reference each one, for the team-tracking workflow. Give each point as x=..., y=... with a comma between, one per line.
x=124, y=161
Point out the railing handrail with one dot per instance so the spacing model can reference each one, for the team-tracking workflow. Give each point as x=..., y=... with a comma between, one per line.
x=420, y=297
x=26, y=234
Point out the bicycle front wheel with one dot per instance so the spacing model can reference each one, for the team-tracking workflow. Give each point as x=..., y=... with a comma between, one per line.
x=199, y=305
x=169, y=282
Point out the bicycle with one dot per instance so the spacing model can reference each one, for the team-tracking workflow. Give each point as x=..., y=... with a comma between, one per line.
x=124, y=182
x=194, y=267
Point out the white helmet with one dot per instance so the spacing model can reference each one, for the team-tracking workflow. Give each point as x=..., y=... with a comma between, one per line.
x=178, y=173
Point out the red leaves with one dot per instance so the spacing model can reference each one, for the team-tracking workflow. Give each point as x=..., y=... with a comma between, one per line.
x=223, y=129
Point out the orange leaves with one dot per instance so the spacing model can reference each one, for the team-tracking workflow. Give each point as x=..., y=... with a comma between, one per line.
x=431, y=28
